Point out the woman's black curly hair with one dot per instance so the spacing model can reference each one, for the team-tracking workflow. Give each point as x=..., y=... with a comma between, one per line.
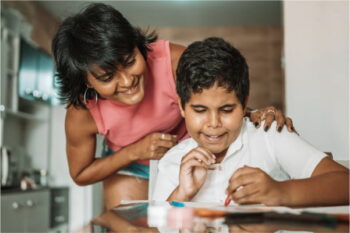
x=99, y=35
x=205, y=63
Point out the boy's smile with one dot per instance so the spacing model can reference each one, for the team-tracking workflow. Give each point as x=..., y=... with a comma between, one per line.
x=213, y=119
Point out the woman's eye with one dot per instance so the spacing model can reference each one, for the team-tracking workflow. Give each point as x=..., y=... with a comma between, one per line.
x=130, y=63
x=107, y=78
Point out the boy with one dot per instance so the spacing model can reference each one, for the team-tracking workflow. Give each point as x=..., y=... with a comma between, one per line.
x=227, y=156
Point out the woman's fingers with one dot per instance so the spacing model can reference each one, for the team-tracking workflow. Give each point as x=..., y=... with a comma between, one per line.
x=166, y=137
x=269, y=118
x=290, y=126
x=255, y=117
x=165, y=143
x=280, y=120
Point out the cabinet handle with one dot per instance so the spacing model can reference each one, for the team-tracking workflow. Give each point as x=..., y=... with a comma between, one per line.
x=59, y=218
x=16, y=205
x=59, y=199
x=30, y=203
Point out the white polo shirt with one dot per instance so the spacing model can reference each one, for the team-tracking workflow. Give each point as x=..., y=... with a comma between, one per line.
x=282, y=155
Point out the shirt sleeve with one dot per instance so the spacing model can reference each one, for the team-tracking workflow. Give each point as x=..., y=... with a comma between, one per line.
x=295, y=155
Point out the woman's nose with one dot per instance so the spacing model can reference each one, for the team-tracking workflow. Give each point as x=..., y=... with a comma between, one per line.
x=125, y=80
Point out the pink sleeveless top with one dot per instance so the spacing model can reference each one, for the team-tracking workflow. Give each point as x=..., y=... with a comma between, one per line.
x=123, y=124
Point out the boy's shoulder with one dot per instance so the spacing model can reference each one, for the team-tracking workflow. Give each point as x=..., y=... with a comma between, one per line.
x=175, y=154
x=259, y=133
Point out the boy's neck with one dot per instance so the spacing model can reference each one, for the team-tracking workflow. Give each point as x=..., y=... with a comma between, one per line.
x=220, y=156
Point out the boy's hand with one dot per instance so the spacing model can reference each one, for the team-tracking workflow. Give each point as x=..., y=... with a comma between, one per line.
x=193, y=171
x=250, y=185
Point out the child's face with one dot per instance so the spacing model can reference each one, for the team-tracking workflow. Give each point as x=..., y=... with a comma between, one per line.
x=214, y=118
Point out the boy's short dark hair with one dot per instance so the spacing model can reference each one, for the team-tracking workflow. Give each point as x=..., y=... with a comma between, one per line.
x=211, y=61
x=99, y=35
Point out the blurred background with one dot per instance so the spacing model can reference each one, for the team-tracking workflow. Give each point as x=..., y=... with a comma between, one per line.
x=298, y=56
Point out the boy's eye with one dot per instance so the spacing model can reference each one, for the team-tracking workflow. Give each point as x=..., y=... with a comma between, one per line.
x=199, y=110
x=227, y=110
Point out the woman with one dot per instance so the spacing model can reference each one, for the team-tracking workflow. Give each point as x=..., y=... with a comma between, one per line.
x=119, y=82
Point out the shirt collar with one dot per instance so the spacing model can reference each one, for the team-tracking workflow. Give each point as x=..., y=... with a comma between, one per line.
x=237, y=145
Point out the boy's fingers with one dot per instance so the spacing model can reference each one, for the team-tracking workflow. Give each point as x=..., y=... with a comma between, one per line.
x=199, y=156
x=194, y=163
x=245, y=191
x=249, y=200
x=242, y=171
x=240, y=181
x=206, y=152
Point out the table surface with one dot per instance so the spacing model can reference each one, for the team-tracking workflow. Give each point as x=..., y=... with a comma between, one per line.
x=150, y=217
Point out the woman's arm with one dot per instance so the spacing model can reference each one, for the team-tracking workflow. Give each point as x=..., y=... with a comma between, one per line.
x=81, y=133
x=85, y=169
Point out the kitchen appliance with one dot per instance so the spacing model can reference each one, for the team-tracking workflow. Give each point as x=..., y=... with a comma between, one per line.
x=10, y=171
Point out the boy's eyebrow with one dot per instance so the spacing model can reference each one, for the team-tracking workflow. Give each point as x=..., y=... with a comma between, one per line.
x=228, y=106
x=223, y=106
x=198, y=106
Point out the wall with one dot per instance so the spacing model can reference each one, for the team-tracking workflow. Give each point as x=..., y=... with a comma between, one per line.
x=44, y=24
x=317, y=73
x=262, y=48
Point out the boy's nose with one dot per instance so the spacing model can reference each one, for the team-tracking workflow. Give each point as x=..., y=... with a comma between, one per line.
x=214, y=120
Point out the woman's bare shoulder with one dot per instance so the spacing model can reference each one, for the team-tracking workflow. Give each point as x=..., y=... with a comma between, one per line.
x=80, y=119
x=176, y=51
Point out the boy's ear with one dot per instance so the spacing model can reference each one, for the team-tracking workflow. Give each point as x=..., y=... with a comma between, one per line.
x=180, y=107
x=246, y=104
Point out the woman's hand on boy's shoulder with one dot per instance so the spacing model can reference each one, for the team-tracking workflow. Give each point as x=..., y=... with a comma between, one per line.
x=269, y=115
x=249, y=185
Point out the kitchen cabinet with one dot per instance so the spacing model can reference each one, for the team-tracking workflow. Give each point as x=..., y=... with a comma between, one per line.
x=25, y=211
x=59, y=211
x=25, y=126
x=36, y=75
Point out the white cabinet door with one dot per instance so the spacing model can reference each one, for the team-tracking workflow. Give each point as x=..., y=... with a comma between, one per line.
x=25, y=212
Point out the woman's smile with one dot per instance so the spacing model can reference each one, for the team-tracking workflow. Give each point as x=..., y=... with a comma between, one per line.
x=131, y=90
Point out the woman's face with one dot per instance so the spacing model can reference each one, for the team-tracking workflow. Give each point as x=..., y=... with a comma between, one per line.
x=126, y=85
